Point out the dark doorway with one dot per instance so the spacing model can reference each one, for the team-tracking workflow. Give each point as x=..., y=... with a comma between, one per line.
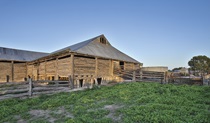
x=7, y=78
x=99, y=81
x=122, y=65
x=94, y=82
x=81, y=82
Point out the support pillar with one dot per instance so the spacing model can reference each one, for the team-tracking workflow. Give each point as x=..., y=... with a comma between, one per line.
x=12, y=66
x=56, y=69
x=72, y=68
x=96, y=67
x=45, y=70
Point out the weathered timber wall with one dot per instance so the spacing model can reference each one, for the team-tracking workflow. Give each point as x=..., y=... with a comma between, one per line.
x=64, y=67
x=84, y=65
x=42, y=68
x=19, y=72
x=30, y=70
x=5, y=69
x=116, y=65
x=50, y=67
x=41, y=71
x=155, y=69
x=128, y=66
x=35, y=72
x=103, y=68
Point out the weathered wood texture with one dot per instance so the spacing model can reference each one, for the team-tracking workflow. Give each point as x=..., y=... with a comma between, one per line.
x=29, y=88
x=128, y=66
x=30, y=70
x=19, y=72
x=42, y=69
x=5, y=69
x=64, y=67
x=116, y=65
x=50, y=68
x=84, y=65
x=35, y=72
x=103, y=68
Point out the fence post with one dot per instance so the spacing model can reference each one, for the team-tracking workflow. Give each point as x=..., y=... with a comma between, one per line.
x=141, y=73
x=30, y=87
x=134, y=76
x=71, y=83
x=96, y=81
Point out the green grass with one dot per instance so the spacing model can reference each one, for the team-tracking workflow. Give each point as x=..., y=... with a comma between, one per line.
x=136, y=102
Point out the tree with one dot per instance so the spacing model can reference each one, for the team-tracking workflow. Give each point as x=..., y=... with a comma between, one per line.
x=200, y=64
x=179, y=68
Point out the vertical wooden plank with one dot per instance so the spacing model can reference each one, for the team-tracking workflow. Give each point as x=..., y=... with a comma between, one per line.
x=134, y=76
x=12, y=66
x=71, y=85
x=141, y=73
x=38, y=67
x=56, y=69
x=72, y=68
x=30, y=91
x=26, y=71
x=111, y=67
x=96, y=67
x=45, y=70
x=133, y=66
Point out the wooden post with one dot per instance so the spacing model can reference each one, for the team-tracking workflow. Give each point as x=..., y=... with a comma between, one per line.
x=71, y=85
x=30, y=92
x=45, y=69
x=96, y=81
x=96, y=67
x=134, y=76
x=72, y=68
x=12, y=65
x=26, y=72
x=56, y=69
x=141, y=73
x=111, y=69
x=38, y=67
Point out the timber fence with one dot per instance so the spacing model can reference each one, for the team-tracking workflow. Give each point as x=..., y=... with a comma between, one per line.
x=139, y=75
x=32, y=88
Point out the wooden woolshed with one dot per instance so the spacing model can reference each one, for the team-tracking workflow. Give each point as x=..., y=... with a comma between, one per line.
x=93, y=58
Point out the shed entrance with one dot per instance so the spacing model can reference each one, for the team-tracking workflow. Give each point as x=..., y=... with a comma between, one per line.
x=80, y=82
x=99, y=81
x=7, y=77
x=122, y=65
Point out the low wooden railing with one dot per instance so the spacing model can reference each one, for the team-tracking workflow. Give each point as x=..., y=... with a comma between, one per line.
x=139, y=75
x=30, y=87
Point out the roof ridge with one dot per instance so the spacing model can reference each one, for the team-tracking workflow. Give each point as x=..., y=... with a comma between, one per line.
x=88, y=41
x=77, y=46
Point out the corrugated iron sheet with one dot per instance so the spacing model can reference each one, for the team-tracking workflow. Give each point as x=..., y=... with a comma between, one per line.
x=92, y=47
x=89, y=47
x=19, y=55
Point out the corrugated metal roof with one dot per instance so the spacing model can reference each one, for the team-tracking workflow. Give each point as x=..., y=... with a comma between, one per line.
x=95, y=48
x=89, y=47
x=19, y=55
x=75, y=46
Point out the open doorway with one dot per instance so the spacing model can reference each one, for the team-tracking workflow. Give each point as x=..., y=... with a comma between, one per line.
x=81, y=83
x=121, y=65
x=99, y=81
x=7, y=77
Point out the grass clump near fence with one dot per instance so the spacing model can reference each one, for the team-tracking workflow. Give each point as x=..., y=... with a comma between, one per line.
x=123, y=103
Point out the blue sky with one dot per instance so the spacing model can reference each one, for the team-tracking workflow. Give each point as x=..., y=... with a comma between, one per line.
x=155, y=32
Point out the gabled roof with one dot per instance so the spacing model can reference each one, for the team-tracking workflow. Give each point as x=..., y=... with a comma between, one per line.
x=94, y=47
x=19, y=55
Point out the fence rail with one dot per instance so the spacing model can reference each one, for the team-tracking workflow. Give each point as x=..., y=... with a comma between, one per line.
x=139, y=75
x=29, y=88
